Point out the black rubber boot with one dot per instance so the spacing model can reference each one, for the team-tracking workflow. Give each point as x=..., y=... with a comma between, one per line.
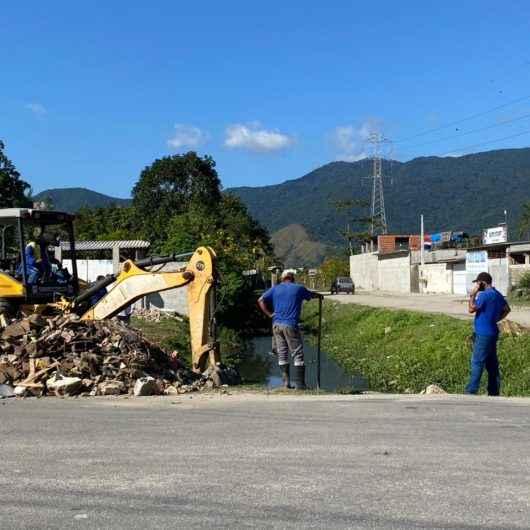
x=284, y=368
x=299, y=378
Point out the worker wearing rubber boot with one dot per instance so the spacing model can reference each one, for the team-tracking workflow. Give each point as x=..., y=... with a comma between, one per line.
x=286, y=300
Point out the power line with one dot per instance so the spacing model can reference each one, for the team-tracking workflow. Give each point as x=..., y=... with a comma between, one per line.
x=489, y=142
x=456, y=122
x=469, y=132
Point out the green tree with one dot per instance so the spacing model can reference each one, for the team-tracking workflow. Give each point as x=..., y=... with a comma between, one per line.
x=332, y=268
x=13, y=188
x=524, y=221
x=171, y=186
x=104, y=224
x=239, y=242
x=356, y=229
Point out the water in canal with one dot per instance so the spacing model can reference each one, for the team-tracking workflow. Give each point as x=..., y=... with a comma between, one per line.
x=332, y=377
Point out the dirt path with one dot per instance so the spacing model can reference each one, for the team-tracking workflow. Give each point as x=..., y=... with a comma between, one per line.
x=455, y=306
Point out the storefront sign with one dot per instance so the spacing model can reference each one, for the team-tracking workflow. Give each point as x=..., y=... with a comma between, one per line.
x=476, y=261
x=498, y=234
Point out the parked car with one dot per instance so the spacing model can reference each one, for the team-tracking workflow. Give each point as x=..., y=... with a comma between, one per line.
x=342, y=285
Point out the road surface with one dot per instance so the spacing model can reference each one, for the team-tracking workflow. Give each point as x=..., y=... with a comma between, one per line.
x=452, y=305
x=260, y=461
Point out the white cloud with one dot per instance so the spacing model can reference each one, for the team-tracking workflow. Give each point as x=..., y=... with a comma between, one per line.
x=187, y=136
x=353, y=158
x=37, y=108
x=352, y=141
x=255, y=138
x=453, y=155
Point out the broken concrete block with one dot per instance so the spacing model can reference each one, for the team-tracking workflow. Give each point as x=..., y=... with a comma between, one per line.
x=171, y=391
x=146, y=386
x=64, y=386
x=6, y=391
x=433, y=389
x=21, y=391
x=111, y=388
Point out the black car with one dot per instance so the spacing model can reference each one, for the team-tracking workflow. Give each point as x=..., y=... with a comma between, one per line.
x=342, y=284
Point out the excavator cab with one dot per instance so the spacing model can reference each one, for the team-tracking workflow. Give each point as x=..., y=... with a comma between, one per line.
x=29, y=272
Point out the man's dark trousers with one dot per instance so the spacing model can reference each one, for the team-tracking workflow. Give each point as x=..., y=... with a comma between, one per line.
x=484, y=355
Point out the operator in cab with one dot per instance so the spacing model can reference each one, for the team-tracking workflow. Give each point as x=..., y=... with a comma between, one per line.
x=286, y=301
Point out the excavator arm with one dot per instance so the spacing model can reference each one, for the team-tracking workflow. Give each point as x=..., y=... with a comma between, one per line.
x=134, y=282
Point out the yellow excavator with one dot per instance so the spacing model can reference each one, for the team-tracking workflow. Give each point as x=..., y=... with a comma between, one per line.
x=31, y=280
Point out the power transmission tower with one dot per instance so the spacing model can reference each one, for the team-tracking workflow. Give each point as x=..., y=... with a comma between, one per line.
x=378, y=222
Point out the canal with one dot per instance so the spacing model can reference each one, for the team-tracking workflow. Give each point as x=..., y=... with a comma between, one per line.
x=332, y=377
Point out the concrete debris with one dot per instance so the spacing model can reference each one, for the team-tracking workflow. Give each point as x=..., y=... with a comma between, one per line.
x=146, y=386
x=433, y=389
x=111, y=388
x=21, y=391
x=155, y=315
x=65, y=356
x=64, y=386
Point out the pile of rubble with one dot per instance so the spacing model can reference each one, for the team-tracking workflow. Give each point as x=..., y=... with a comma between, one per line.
x=66, y=356
x=155, y=315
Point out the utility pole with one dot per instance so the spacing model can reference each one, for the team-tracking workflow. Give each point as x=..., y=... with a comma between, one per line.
x=422, y=244
x=378, y=222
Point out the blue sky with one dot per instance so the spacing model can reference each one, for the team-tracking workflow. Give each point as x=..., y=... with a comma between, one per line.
x=92, y=92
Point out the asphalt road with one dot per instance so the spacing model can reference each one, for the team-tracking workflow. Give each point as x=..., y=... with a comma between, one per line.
x=455, y=306
x=259, y=461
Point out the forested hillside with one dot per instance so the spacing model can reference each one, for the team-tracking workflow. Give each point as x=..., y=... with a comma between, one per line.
x=73, y=199
x=464, y=193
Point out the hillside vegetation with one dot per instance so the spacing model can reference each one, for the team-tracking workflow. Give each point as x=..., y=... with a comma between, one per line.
x=73, y=199
x=295, y=247
x=465, y=193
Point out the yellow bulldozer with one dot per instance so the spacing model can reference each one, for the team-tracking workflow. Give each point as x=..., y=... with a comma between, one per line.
x=32, y=280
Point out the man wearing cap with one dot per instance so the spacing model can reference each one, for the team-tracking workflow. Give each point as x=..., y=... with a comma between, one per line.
x=489, y=307
x=286, y=299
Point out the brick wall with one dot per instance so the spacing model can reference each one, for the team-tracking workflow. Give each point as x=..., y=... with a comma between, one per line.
x=387, y=243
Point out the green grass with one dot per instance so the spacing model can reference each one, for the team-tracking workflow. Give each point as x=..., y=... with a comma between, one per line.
x=170, y=334
x=416, y=350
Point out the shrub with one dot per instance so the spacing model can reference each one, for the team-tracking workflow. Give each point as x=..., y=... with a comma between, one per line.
x=524, y=281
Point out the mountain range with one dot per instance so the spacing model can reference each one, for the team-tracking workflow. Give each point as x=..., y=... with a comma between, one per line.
x=73, y=199
x=465, y=193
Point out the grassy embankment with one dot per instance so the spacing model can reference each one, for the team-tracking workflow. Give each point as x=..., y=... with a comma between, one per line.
x=400, y=351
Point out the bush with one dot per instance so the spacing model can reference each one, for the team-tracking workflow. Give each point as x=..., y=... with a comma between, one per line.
x=524, y=281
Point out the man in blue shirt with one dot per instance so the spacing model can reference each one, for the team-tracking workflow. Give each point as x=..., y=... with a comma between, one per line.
x=489, y=307
x=286, y=300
